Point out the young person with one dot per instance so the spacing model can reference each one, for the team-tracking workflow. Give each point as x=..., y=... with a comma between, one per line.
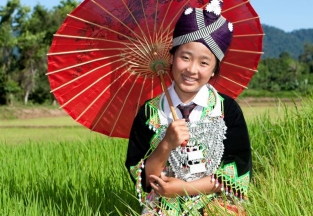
x=176, y=165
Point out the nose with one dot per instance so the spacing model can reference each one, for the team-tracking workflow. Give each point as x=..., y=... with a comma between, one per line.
x=192, y=67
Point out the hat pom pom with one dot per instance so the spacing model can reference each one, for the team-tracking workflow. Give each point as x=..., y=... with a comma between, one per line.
x=230, y=27
x=215, y=7
x=188, y=11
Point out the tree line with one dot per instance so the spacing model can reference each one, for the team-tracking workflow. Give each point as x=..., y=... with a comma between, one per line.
x=286, y=73
x=26, y=35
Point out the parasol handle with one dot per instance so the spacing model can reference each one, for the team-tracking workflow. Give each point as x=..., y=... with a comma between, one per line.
x=160, y=71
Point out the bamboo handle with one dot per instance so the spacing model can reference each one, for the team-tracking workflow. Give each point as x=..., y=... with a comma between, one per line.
x=168, y=97
x=160, y=71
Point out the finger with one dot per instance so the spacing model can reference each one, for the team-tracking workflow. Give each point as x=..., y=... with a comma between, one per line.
x=158, y=181
x=184, y=129
x=155, y=182
x=153, y=178
x=154, y=186
x=179, y=122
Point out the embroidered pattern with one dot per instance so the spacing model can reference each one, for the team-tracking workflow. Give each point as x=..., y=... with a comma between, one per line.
x=212, y=148
x=154, y=120
x=230, y=180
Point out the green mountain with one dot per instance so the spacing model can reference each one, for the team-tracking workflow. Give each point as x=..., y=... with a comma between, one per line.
x=277, y=41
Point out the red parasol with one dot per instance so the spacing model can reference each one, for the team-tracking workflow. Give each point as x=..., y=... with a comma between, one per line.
x=103, y=60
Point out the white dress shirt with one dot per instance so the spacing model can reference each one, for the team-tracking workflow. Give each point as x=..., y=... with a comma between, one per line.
x=201, y=99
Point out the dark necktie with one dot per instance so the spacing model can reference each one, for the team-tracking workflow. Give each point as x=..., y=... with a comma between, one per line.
x=186, y=110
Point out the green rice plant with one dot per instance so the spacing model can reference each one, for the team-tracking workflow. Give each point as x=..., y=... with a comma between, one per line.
x=65, y=178
x=59, y=121
x=26, y=135
x=86, y=176
x=282, y=160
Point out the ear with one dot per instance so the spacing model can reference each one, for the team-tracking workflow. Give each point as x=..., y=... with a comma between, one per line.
x=212, y=74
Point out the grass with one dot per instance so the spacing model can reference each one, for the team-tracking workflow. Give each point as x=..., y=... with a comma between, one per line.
x=282, y=150
x=84, y=174
x=25, y=135
x=64, y=128
x=62, y=178
x=18, y=110
x=60, y=121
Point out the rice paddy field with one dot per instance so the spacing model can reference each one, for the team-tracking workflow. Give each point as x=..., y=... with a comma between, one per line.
x=53, y=166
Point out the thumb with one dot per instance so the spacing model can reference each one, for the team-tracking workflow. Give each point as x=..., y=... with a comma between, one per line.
x=164, y=177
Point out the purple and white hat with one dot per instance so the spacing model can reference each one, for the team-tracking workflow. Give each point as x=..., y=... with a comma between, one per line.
x=206, y=26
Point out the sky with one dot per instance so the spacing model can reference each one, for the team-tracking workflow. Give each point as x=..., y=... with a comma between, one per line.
x=287, y=15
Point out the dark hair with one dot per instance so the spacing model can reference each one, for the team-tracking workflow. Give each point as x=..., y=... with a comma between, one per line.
x=216, y=69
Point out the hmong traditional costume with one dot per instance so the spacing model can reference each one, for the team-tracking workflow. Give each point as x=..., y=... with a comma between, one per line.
x=219, y=147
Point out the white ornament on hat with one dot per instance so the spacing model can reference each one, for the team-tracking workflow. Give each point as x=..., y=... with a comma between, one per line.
x=214, y=6
x=215, y=3
x=230, y=27
x=188, y=11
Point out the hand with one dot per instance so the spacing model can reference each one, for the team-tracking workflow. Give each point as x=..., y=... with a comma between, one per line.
x=167, y=186
x=176, y=133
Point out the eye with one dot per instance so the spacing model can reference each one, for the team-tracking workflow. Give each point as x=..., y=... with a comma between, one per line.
x=204, y=63
x=185, y=57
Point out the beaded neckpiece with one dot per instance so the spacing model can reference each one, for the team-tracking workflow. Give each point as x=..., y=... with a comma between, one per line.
x=202, y=155
x=204, y=151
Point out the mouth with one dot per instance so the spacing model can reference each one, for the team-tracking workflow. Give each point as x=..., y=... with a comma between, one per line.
x=188, y=79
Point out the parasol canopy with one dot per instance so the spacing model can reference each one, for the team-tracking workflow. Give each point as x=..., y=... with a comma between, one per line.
x=102, y=61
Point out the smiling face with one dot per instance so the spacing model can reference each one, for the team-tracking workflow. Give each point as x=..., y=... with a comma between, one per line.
x=192, y=67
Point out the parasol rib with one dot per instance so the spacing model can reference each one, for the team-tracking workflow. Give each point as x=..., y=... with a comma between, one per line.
x=169, y=77
x=139, y=27
x=112, y=100
x=143, y=56
x=139, y=98
x=245, y=51
x=89, y=38
x=239, y=66
x=100, y=95
x=238, y=5
x=145, y=18
x=80, y=64
x=152, y=83
x=84, y=90
x=174, y=18
x=244, y=20
x=248, y=35
x=133, y=57
x=82, y=76
x=102, y=27
x=233, y=81
x=84, y=51
x=122, y=23
x=126, y=99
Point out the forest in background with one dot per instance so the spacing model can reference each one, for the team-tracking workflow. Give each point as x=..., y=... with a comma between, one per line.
x=277, y=41
x=26, y=35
